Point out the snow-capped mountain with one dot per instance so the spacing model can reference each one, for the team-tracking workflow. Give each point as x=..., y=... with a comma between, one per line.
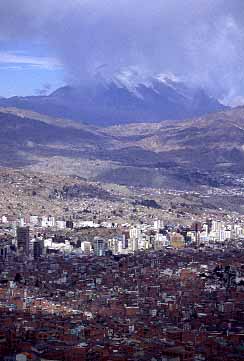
x=124, y=98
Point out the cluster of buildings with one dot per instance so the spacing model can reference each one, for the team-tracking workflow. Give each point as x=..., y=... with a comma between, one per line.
x=170, y=305
x=46, y=222
x=39, y=236
x=158, y=292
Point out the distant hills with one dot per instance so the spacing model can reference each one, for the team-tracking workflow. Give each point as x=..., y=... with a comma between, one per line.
x=207, y=150
x=122, y=100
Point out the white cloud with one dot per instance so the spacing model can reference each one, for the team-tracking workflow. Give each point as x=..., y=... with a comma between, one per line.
x=198, y=40
x=16, y=60
x=233, y=101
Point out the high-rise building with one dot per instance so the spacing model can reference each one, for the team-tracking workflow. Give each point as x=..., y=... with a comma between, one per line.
x=209, y=223
x=99, y=246
x=197, y=228
x=70, y=224
x=158, y=224
x=38, y=247
x=4, y=249
x=86, y=247
x=23, y=240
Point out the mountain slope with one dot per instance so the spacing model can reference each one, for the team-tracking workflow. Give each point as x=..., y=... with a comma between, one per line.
x=26, y=135
x=121, y=100
x=207, y=150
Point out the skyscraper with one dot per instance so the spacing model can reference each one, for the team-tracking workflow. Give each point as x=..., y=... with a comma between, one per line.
x=99, y=246
x=38, y=247
x=23, y=240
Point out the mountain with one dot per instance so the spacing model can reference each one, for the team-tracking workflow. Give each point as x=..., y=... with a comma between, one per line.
x=204, y=151
x=195, y=154
x=122, y=99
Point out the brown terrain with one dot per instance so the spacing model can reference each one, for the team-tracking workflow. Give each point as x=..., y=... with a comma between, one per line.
x=205, y=151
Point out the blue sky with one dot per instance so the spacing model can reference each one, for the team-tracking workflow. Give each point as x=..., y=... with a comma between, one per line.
x=27, y=69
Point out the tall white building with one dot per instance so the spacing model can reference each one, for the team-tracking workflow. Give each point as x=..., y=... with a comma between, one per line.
x=158, y=224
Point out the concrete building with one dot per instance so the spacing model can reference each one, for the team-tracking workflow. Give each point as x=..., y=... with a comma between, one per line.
x=99, y=246
x=23, y=240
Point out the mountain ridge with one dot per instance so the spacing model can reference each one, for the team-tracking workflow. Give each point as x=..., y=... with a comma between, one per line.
x=121, y=101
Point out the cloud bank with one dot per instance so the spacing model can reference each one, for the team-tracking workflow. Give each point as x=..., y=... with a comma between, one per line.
x=199, y=40
x=24, y=61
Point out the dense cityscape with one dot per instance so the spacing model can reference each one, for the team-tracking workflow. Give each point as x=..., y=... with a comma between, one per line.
x=81, y=290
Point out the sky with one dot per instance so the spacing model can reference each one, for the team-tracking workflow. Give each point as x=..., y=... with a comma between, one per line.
x=27, y=69
x=49, y=43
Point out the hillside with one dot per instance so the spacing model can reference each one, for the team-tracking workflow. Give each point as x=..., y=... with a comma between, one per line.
x=25, y=135
x=206, y=150
x=202, y=151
